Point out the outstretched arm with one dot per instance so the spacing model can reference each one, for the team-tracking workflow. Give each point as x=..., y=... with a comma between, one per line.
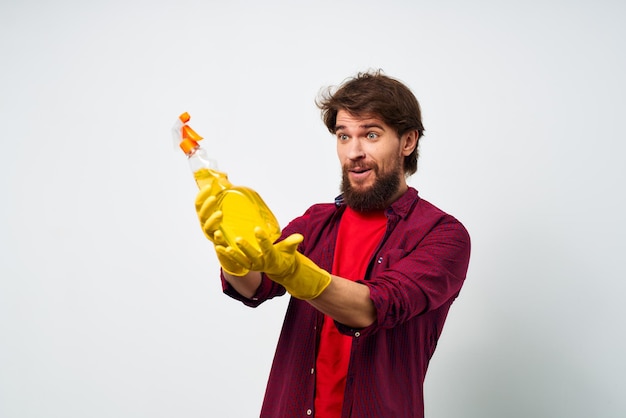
x=346, y=302
x=343, y=300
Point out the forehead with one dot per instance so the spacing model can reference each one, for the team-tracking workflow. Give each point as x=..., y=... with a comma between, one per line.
x=347, y=120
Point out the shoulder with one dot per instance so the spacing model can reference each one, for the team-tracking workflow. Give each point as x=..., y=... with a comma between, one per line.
x=320, y=211
x=431, y=217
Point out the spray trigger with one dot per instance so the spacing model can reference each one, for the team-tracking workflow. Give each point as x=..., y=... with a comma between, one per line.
x=183, y=136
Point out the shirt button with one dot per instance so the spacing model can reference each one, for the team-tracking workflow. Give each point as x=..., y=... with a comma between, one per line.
x=357, y=334
x=309, y=412
x=312, y=371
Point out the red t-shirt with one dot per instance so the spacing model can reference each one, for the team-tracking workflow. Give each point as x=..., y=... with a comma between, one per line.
x=359, y=235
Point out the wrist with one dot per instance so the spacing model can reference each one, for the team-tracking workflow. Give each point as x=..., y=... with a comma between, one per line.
x=247, y=285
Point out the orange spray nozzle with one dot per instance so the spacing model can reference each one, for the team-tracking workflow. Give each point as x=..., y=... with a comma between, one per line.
x=185, y=137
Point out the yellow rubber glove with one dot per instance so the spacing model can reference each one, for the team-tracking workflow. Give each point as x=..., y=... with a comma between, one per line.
x=210, y=220
x=206, y=205
x=229, y=265
x=282, y=263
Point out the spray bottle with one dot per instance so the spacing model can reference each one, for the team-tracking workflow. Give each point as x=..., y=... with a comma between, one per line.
x=242, y=208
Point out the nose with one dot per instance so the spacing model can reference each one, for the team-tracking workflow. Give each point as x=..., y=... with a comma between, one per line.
x=355, y=149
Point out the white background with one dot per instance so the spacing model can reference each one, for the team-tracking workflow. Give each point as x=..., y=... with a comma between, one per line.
x=110, y=303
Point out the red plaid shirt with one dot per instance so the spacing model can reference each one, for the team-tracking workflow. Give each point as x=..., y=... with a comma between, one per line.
x=414, y=276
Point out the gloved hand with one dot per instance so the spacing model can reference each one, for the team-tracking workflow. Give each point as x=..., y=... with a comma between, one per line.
x=281, y=262
x=228, y=264
x=206, y=205
x=210, y=220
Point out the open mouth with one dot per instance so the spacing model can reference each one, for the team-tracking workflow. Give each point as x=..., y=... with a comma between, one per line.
x=359, y=173
x=359, y=170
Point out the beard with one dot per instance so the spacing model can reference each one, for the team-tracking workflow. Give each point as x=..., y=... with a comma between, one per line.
x=376, y=197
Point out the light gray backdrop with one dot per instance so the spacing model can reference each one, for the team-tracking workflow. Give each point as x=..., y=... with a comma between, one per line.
x=110, y=304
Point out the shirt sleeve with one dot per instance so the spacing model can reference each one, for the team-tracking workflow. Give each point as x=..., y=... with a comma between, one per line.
x=267, y=290
x=406, y=282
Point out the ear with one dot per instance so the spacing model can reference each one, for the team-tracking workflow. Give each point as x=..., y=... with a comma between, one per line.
x=408, y=142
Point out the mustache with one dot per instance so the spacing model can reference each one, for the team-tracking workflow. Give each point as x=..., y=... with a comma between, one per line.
x=359, y=167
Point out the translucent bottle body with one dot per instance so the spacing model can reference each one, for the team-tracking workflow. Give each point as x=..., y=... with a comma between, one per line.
x=242, y=208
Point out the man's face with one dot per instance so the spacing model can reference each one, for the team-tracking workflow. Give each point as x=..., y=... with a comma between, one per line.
x=371, y=155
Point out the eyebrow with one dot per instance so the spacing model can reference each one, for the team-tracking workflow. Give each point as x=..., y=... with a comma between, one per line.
x=365, y=126
x=372, y=125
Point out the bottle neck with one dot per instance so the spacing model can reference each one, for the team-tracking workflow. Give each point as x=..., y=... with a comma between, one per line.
x=205, y=170
x=199, y=158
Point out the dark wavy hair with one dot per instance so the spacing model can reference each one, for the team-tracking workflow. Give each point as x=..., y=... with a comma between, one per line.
x=374, y=94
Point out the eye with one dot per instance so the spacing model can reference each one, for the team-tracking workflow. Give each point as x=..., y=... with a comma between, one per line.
x=342, y=137
x=372, y=135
